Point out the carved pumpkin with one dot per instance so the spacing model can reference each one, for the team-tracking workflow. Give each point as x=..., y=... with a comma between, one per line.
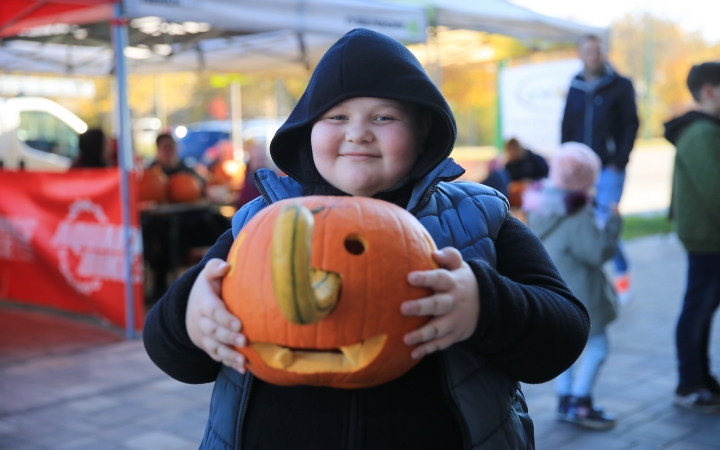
x=318, y=283
x=152, y=185
x=184, y=187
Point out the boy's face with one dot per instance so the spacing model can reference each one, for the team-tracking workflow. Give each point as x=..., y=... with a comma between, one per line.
x=365, y=145
x=710, y=99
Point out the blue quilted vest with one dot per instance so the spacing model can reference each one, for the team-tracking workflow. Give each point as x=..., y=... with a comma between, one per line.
x=467, y=216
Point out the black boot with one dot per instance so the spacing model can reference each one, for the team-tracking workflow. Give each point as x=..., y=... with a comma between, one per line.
x=583, y=413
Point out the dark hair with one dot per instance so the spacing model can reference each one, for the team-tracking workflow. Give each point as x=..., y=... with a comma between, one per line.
x=702, y=74
x=163, y=136
x=91, y=146
x=513, y=142
x=589, y=37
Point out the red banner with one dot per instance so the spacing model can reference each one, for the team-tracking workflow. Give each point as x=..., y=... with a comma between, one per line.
x=62, y=243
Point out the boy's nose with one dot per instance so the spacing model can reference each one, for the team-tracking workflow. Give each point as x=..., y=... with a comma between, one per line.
x=358, y=134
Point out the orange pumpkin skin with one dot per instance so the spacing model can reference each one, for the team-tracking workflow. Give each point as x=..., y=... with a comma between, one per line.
x=184, y=187
x=374, y=284
x=152, y=185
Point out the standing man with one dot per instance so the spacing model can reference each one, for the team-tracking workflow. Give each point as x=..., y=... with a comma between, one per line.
x=601, y=113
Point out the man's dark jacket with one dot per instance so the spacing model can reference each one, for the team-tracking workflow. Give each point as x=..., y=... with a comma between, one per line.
x=603, y=116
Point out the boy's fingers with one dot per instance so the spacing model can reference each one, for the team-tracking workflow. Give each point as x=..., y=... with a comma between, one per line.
x=436, y=305
x=223, y=317
x=216, y=268
x=434, y=329
x=438, y=280
x=222, y=334
x=449, y=257
x=431, y=347
x=211, y=346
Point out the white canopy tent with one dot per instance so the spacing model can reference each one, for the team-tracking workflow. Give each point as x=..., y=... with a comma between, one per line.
x=500, y=17
x=278, y=36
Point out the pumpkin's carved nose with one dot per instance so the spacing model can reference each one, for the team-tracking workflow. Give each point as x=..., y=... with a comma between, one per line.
x=304, y=295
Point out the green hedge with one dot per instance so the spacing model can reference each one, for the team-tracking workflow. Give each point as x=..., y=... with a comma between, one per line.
x=638, y=226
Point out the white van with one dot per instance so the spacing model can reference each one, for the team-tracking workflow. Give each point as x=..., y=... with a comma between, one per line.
x=37, y=134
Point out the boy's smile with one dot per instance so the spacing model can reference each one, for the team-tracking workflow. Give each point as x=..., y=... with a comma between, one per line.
x=365, y=145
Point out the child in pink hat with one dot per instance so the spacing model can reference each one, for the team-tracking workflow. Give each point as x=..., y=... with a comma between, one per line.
x=560, y=212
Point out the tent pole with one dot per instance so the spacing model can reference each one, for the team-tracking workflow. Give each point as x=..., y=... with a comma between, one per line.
x=125, y=159
x=236, y=120
x=499, y=141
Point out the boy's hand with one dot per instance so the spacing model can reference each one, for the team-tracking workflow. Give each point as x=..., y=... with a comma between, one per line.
x=209, y=324
x=455, y=304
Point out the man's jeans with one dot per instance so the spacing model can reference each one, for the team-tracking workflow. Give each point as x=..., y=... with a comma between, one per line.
x=692, y=336
x=609, y=190
x=579, y=379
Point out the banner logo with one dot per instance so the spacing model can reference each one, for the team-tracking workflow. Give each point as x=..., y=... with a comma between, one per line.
x=91, y=250
x=16, y=233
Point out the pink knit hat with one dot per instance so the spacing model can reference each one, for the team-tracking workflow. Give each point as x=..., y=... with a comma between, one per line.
x=574, y=167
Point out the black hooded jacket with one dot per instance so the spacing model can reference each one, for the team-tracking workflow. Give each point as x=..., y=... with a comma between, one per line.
x=531, y=327
x=675, y=127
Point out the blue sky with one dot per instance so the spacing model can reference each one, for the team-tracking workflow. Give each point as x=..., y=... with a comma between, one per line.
x=692, y=15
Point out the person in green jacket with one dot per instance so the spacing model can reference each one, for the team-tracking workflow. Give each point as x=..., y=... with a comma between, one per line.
x=696, y=210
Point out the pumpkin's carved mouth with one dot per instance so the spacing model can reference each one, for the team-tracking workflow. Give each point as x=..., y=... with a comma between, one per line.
x=346, y=359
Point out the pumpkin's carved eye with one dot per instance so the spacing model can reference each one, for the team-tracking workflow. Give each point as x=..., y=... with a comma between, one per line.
x=355, y=244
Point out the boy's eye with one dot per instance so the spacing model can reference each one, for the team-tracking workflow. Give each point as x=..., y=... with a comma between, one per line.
x=384, y=118
x=337, y=117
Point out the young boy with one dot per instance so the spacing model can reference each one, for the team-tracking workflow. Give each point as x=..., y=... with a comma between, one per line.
x=696, y=210
x=371, y=123
x=560, y=213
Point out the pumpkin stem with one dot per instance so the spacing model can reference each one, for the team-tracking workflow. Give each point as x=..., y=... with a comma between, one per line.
x=304, y=295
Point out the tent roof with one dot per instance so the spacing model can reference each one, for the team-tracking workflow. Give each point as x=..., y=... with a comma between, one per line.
x=501, y=17
x=282, y=36
x=18, y=15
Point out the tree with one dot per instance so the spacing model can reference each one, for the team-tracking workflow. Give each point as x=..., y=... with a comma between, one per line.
x=657, y=54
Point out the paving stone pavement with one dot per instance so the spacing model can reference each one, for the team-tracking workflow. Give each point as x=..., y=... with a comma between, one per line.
x=66, y=384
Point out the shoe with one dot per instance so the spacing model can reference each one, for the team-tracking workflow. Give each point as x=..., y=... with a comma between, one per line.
x=622, y=288
x=583, y=413
x=712, y=385
x=700, y=401
x=563, y=406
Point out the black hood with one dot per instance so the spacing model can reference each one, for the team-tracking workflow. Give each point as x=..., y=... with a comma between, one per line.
x=362, y=63
x=675, y=127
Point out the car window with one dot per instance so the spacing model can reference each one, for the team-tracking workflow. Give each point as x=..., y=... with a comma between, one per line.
x=43, y=131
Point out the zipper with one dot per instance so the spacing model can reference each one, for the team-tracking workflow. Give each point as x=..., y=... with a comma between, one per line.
x=261, y=188
x=246, y=387
x=443, y=362
x=426, y=197
x=589, y=111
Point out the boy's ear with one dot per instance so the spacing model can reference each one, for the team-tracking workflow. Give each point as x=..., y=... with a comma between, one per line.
x=707, y=92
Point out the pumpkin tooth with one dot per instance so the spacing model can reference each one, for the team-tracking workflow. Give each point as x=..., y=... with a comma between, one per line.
x=285, y=357
x=352, y=353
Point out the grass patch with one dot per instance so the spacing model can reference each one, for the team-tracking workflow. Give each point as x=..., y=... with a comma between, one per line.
x=638, y=226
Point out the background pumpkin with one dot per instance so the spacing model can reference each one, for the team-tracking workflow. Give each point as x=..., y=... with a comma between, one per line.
x=152, y=185
x=372, y=245
x=184, y=187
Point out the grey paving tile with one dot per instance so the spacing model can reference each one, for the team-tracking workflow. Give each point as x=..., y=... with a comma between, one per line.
x=662, y=431
x=686, y=445
x=705, y=437
x=158, y=441
x=597, y=441
x=94, y=404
